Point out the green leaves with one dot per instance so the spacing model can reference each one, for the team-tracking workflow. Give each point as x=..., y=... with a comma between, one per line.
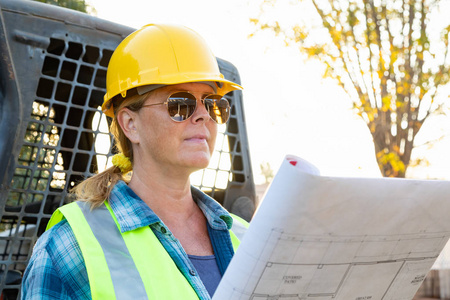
x=79, y=5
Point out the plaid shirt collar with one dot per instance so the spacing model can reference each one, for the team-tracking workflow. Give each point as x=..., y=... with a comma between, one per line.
x=132, y=213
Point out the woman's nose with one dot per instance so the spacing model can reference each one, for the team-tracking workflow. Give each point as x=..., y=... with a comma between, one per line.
x=201, y=114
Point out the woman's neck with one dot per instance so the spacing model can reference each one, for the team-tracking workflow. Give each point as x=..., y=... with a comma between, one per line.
x=172, y=201
x=165, y=195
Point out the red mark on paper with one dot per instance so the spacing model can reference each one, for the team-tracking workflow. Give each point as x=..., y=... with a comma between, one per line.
x=293, y=162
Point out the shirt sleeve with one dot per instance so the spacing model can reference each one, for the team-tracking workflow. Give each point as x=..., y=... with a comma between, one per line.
x=56, y=269
x=40, y=280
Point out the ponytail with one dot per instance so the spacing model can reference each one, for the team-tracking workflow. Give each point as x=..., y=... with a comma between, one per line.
x=96, y=189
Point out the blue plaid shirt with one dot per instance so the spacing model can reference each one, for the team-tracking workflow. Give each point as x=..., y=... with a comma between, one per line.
x=57, y=271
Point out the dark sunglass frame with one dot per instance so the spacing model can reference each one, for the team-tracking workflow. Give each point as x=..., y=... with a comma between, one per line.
x=183, y=104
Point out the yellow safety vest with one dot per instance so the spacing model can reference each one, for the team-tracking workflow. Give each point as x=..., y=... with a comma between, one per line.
x=122, y=265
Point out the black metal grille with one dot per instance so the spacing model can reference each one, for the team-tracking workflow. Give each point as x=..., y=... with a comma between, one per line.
x=58, y=148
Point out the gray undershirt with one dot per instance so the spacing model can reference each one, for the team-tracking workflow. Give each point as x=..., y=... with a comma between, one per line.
x=208, y=271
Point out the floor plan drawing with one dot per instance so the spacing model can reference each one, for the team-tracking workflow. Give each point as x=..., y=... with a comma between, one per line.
x=330, y=238
x=325, y=267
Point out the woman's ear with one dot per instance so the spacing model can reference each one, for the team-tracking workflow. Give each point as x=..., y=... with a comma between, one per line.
x=127, y=121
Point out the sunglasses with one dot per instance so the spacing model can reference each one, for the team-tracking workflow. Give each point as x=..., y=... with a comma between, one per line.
x=182, y=105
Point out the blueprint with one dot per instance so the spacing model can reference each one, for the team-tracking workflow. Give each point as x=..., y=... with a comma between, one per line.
x=322, y=238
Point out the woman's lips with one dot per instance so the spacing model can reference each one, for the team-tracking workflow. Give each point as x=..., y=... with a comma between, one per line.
x=197, y=138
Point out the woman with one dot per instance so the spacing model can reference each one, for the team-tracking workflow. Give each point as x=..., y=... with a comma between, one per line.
x=154, y=236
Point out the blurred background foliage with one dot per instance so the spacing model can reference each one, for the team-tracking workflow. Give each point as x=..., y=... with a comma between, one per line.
x=390, y=57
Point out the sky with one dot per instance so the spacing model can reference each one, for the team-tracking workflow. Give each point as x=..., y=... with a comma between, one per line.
x=289, y=108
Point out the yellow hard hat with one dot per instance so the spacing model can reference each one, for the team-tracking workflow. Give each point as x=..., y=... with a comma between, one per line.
x=158, y=55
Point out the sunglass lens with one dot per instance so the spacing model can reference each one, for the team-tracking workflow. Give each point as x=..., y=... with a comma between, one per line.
x=218, y=108
x=181, y=106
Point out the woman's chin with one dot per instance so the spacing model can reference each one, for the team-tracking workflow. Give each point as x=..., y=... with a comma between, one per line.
x=198, y=162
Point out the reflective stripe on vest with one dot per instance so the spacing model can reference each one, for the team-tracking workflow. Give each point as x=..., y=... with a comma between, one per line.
x=121, y=265
x=237, y=231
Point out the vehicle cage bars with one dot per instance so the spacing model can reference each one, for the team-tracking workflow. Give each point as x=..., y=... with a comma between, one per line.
x=53, y=133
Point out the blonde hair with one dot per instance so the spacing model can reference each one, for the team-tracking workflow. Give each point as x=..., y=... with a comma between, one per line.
x=96, y=189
